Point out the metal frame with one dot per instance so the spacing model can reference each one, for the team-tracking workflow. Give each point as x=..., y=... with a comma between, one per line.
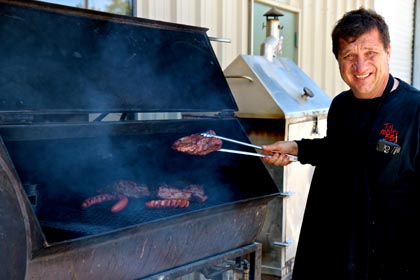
x=252, y=252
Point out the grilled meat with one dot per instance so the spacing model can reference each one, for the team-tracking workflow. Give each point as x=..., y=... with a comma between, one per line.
x=100, y=198
x=196, y=144
x=191, y=192
x=121, y=204
x=167, y=196
x=167, y=192
x=97, y=199
x=197, y=192
x=118, y=190
x=168, y=203
x=126, y=187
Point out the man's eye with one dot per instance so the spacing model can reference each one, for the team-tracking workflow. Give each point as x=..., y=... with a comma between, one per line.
x=371, y=54
x=348, y=57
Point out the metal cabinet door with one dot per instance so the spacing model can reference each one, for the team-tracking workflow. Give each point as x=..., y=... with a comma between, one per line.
x=297, y=179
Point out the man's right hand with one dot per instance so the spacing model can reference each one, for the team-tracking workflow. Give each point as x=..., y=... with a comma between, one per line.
x=279, y=152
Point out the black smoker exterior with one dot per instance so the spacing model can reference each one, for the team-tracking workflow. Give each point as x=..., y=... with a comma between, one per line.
x=60, y=65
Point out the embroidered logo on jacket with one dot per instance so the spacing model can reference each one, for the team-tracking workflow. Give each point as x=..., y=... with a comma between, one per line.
x=390, y=133
x=388, y=145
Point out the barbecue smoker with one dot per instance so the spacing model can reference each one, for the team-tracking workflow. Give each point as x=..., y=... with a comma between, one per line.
x=62, y=71
x=278, y=101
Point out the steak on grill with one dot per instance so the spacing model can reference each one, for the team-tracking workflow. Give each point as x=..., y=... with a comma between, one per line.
x=167, y=192
x=197, y=192
x=191, y=192
x=127, y=188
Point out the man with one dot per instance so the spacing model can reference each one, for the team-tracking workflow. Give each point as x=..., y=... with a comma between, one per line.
x=363, y=206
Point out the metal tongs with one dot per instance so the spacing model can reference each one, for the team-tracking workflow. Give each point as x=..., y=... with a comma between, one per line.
x=205, y=134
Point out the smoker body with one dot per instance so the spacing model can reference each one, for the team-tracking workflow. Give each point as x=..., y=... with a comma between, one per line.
x=136, y=242
x=278, y=101
x=60, y=66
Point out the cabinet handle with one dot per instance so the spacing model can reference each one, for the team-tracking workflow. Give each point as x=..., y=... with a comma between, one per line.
x=240, y=77
x=307, y=93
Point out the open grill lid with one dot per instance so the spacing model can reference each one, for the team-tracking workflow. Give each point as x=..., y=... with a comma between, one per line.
x=57, y=59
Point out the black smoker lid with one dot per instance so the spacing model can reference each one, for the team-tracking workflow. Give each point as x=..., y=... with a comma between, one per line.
x=58, y=59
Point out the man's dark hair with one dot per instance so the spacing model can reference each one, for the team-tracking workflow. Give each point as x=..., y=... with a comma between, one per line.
x=357, y=22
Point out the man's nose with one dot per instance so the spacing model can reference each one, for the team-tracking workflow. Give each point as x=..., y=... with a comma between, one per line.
x=359, y=63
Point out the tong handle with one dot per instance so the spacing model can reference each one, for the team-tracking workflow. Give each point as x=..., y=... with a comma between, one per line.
x=205, y=134
x=242, y=153
x=230, y=140
x=291, y=157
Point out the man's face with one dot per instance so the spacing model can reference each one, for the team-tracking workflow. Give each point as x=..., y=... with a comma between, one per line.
x=364, y=64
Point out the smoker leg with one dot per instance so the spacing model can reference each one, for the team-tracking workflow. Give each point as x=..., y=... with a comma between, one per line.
x=255, y=263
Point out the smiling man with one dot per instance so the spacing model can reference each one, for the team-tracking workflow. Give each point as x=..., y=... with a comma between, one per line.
x=363, y=204
x=363, y=63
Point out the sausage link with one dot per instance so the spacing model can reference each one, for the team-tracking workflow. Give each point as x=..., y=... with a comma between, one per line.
x=120, y=205
x=97, y=199
x=168, y=203
x=184, y=203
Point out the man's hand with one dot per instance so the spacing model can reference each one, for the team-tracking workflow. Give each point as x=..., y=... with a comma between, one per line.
x=279, y=151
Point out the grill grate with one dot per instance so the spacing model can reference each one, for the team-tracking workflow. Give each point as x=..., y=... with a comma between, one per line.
x=98, y=218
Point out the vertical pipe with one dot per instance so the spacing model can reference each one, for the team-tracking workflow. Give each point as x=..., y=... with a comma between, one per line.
x=416, y=50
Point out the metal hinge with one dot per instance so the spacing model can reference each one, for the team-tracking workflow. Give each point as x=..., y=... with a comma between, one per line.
x=286, y=194
x=284, y=243
x=221, y=40
x=226, y=114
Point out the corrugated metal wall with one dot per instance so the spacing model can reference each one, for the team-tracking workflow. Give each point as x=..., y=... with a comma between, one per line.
x=231, y=19
x=318, y=20
x=400, y=19
x=224, y=18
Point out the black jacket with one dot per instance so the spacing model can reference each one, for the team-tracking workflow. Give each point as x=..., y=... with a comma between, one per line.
x=363, y=206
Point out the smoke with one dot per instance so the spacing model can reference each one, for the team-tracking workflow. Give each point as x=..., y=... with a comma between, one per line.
x=68, y=64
